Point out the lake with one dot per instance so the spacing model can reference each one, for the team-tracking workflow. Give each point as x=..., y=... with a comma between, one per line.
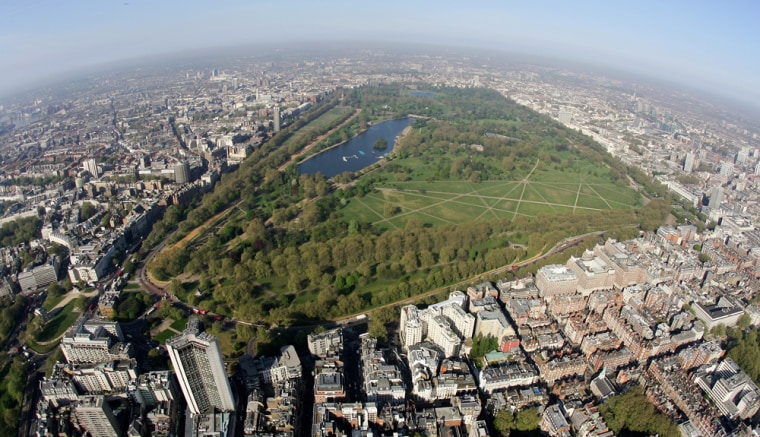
x=356, y=153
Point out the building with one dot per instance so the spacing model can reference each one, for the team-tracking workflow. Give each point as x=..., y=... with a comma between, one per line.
x=329, y=386
x=95, y=415
x=39, y=277
x=200, y=370
x=493, y=323
x=94, y=341
x=732, y=391
x=716, y=197
x=411, y=327
x=554, y=423
x=326, y=343
x=440, y=333
x=494, y=378
x=276, y=118
x=182, y=173
x=593, y=273
x=724, y=312
x=160, y=400
x=555, y=280
x=688, y=165
x=105, y=378
x=91, y=167
x=58, y=391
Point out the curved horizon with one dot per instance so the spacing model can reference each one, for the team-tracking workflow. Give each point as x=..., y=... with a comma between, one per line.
x=695, y=44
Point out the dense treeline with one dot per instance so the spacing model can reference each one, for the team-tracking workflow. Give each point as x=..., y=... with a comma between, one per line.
x=19, y=231
x=290, y=255
x=9, y=312
x=633, y=412
x=13, y=376
x=410, y=261
x=744, y=348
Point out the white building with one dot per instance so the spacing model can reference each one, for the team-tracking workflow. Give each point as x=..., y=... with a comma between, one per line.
x=93, y=341
x=200, y=370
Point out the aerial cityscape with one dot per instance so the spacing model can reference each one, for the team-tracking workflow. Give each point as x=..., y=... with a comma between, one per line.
x=399, y=238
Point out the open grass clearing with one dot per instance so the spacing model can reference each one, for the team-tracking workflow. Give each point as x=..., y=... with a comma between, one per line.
x=61, y=321
x=441, y=202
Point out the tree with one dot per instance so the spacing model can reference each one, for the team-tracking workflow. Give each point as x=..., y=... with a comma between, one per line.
x=377, y=329
x=744, y=321
x=380, y=144
x=704, y=257
x=55, y=289
x=504, y=422
x=527, y=419
x=176, y=287
x=86, y=211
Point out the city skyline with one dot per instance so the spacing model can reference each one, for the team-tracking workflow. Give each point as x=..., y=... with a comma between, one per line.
x=702, y=45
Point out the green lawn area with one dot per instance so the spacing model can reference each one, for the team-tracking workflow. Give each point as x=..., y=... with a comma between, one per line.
x=319, y=124
x=62, y=321
x=164, y=335
x=51, y=301
x=179, y=325
x=440, y=202
x=225, y=342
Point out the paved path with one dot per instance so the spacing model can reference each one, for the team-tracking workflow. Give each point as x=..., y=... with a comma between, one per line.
x=165, y=324
x=71, y=296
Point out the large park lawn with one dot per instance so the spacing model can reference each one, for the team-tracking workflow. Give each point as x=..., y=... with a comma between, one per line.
x=392, y=205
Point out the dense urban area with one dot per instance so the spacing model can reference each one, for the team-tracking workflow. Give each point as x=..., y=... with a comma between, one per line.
x=139, y=301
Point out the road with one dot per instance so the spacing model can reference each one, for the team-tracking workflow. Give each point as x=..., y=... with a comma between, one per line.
x=142, y=272
x=559, y=247
x=147, y=285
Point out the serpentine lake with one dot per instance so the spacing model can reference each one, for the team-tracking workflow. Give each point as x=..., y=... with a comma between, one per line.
x=356, y=153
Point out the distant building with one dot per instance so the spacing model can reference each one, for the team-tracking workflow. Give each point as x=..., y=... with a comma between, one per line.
x=182, y=173
x=716, y=197
x=688, y=165
x=276, y=117
x=91, y=167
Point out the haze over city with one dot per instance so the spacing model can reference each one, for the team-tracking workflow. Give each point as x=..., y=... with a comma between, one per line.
x=707, y=45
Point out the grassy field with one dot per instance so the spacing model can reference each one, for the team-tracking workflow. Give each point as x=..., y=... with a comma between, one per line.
x=179, y=325
x=62, y=321
x=437, y=202
x=164, y=335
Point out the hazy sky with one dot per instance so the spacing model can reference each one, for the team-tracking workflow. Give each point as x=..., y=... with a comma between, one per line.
x=709, y=44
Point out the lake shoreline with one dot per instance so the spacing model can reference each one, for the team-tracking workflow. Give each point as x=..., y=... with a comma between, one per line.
x=357, y=153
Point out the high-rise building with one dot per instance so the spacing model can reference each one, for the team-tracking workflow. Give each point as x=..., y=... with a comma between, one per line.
x=95, y=415
x=688, y=165
x=92, y=167
x=726, y=169
x=182, y=173
x=276, y=118
x=716, y=197
x=200, y=370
